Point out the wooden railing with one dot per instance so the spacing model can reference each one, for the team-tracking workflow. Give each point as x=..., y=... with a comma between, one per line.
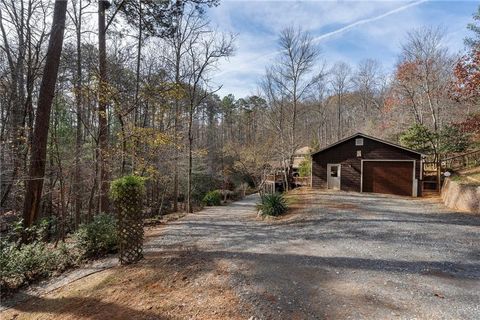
x=432, y=171
x=429, y=166
x=279, y=178
x=274, y=178
x=462, y=161
x=301, y=181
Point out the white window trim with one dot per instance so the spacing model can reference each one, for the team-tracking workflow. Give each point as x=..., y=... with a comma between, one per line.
x=414, y=181
x=359, y=142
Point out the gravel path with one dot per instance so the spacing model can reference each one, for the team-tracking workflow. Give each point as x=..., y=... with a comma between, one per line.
x=345, y=256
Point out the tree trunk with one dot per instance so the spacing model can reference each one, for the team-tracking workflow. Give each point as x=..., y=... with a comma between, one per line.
x=124, y=143
x=190, y=162
x=62, y=217
x=175, y=126
x=42, y=120
x=139, y=59
x=102, y=111
x=339, y=129
x=78, y=187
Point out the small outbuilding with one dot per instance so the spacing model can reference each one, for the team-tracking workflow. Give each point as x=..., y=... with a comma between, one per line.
x=364, y=163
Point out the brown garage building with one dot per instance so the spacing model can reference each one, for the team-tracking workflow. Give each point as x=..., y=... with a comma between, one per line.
x=366, y=164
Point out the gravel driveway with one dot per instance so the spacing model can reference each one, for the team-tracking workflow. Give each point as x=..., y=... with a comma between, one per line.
x=343, y=256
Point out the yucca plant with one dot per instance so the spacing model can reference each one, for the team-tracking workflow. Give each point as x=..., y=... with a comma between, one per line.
x=272, y=205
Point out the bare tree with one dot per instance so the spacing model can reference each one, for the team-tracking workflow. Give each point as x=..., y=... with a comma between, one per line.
x=205, y=49
x=423, y=76
x=367, y=81
x=320, y=111
x=432, y=67
x=289, y=80
x=340, y=82
x=76, y=15
x=187, y=26
x=23, y=32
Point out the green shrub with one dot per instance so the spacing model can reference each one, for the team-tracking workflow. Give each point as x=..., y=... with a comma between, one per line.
x=124, y=186
x=272, y=205
x=7, y=265
x=43, y=230
x=305, y=168
x=23, y=264
x=33, y=260
x=453, y=140
x=98, y=237
x=20, y=265
x=213, y=198
x=202, y=184
x=418, y=137
x=67, y=256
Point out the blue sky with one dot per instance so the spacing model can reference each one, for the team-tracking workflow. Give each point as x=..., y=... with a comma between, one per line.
x=347, y=31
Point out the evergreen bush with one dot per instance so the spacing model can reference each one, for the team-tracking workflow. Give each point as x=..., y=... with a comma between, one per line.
x=213, y=198
x=23, y=264
x=305, y=168
x=98, y=237
x=201, y=184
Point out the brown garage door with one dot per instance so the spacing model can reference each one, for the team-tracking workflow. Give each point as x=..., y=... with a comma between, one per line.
x=392, y=177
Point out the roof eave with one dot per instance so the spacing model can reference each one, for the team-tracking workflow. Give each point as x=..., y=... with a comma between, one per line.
x=368, y=137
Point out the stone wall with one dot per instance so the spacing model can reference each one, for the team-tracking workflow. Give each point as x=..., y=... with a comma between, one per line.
x=460, y=196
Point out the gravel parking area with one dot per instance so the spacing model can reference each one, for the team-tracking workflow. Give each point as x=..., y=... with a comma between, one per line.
x=341, y=256
x=335, y=256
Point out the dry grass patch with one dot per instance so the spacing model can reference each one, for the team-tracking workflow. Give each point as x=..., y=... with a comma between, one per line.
x=298, y=200
x=183, y=284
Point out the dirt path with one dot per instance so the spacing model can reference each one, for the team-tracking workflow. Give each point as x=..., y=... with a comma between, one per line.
x=340, y=256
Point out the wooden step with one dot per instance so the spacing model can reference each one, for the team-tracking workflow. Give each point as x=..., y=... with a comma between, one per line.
x=430, y=194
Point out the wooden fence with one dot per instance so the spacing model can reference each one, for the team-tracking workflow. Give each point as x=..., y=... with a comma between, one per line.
x=432, y=170
x=273, y=182
x=463, y=161
x=301, y=181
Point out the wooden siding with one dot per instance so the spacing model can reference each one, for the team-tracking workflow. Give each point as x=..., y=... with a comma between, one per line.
x=345, y=153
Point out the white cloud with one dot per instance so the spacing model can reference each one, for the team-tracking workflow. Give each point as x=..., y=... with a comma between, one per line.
x=347, y=31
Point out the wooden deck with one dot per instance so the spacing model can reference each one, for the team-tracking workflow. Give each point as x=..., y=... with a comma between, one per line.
x=273, y=182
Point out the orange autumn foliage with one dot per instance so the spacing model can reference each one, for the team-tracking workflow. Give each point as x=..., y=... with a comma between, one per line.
x=467, y=78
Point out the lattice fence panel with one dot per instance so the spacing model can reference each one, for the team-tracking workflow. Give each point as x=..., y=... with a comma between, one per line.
x=129, y=205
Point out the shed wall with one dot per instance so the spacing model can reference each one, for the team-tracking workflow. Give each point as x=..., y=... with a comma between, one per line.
x=345, y=154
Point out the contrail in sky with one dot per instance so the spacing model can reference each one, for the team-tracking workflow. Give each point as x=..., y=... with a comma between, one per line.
x=363, y=21
x=338, y=31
